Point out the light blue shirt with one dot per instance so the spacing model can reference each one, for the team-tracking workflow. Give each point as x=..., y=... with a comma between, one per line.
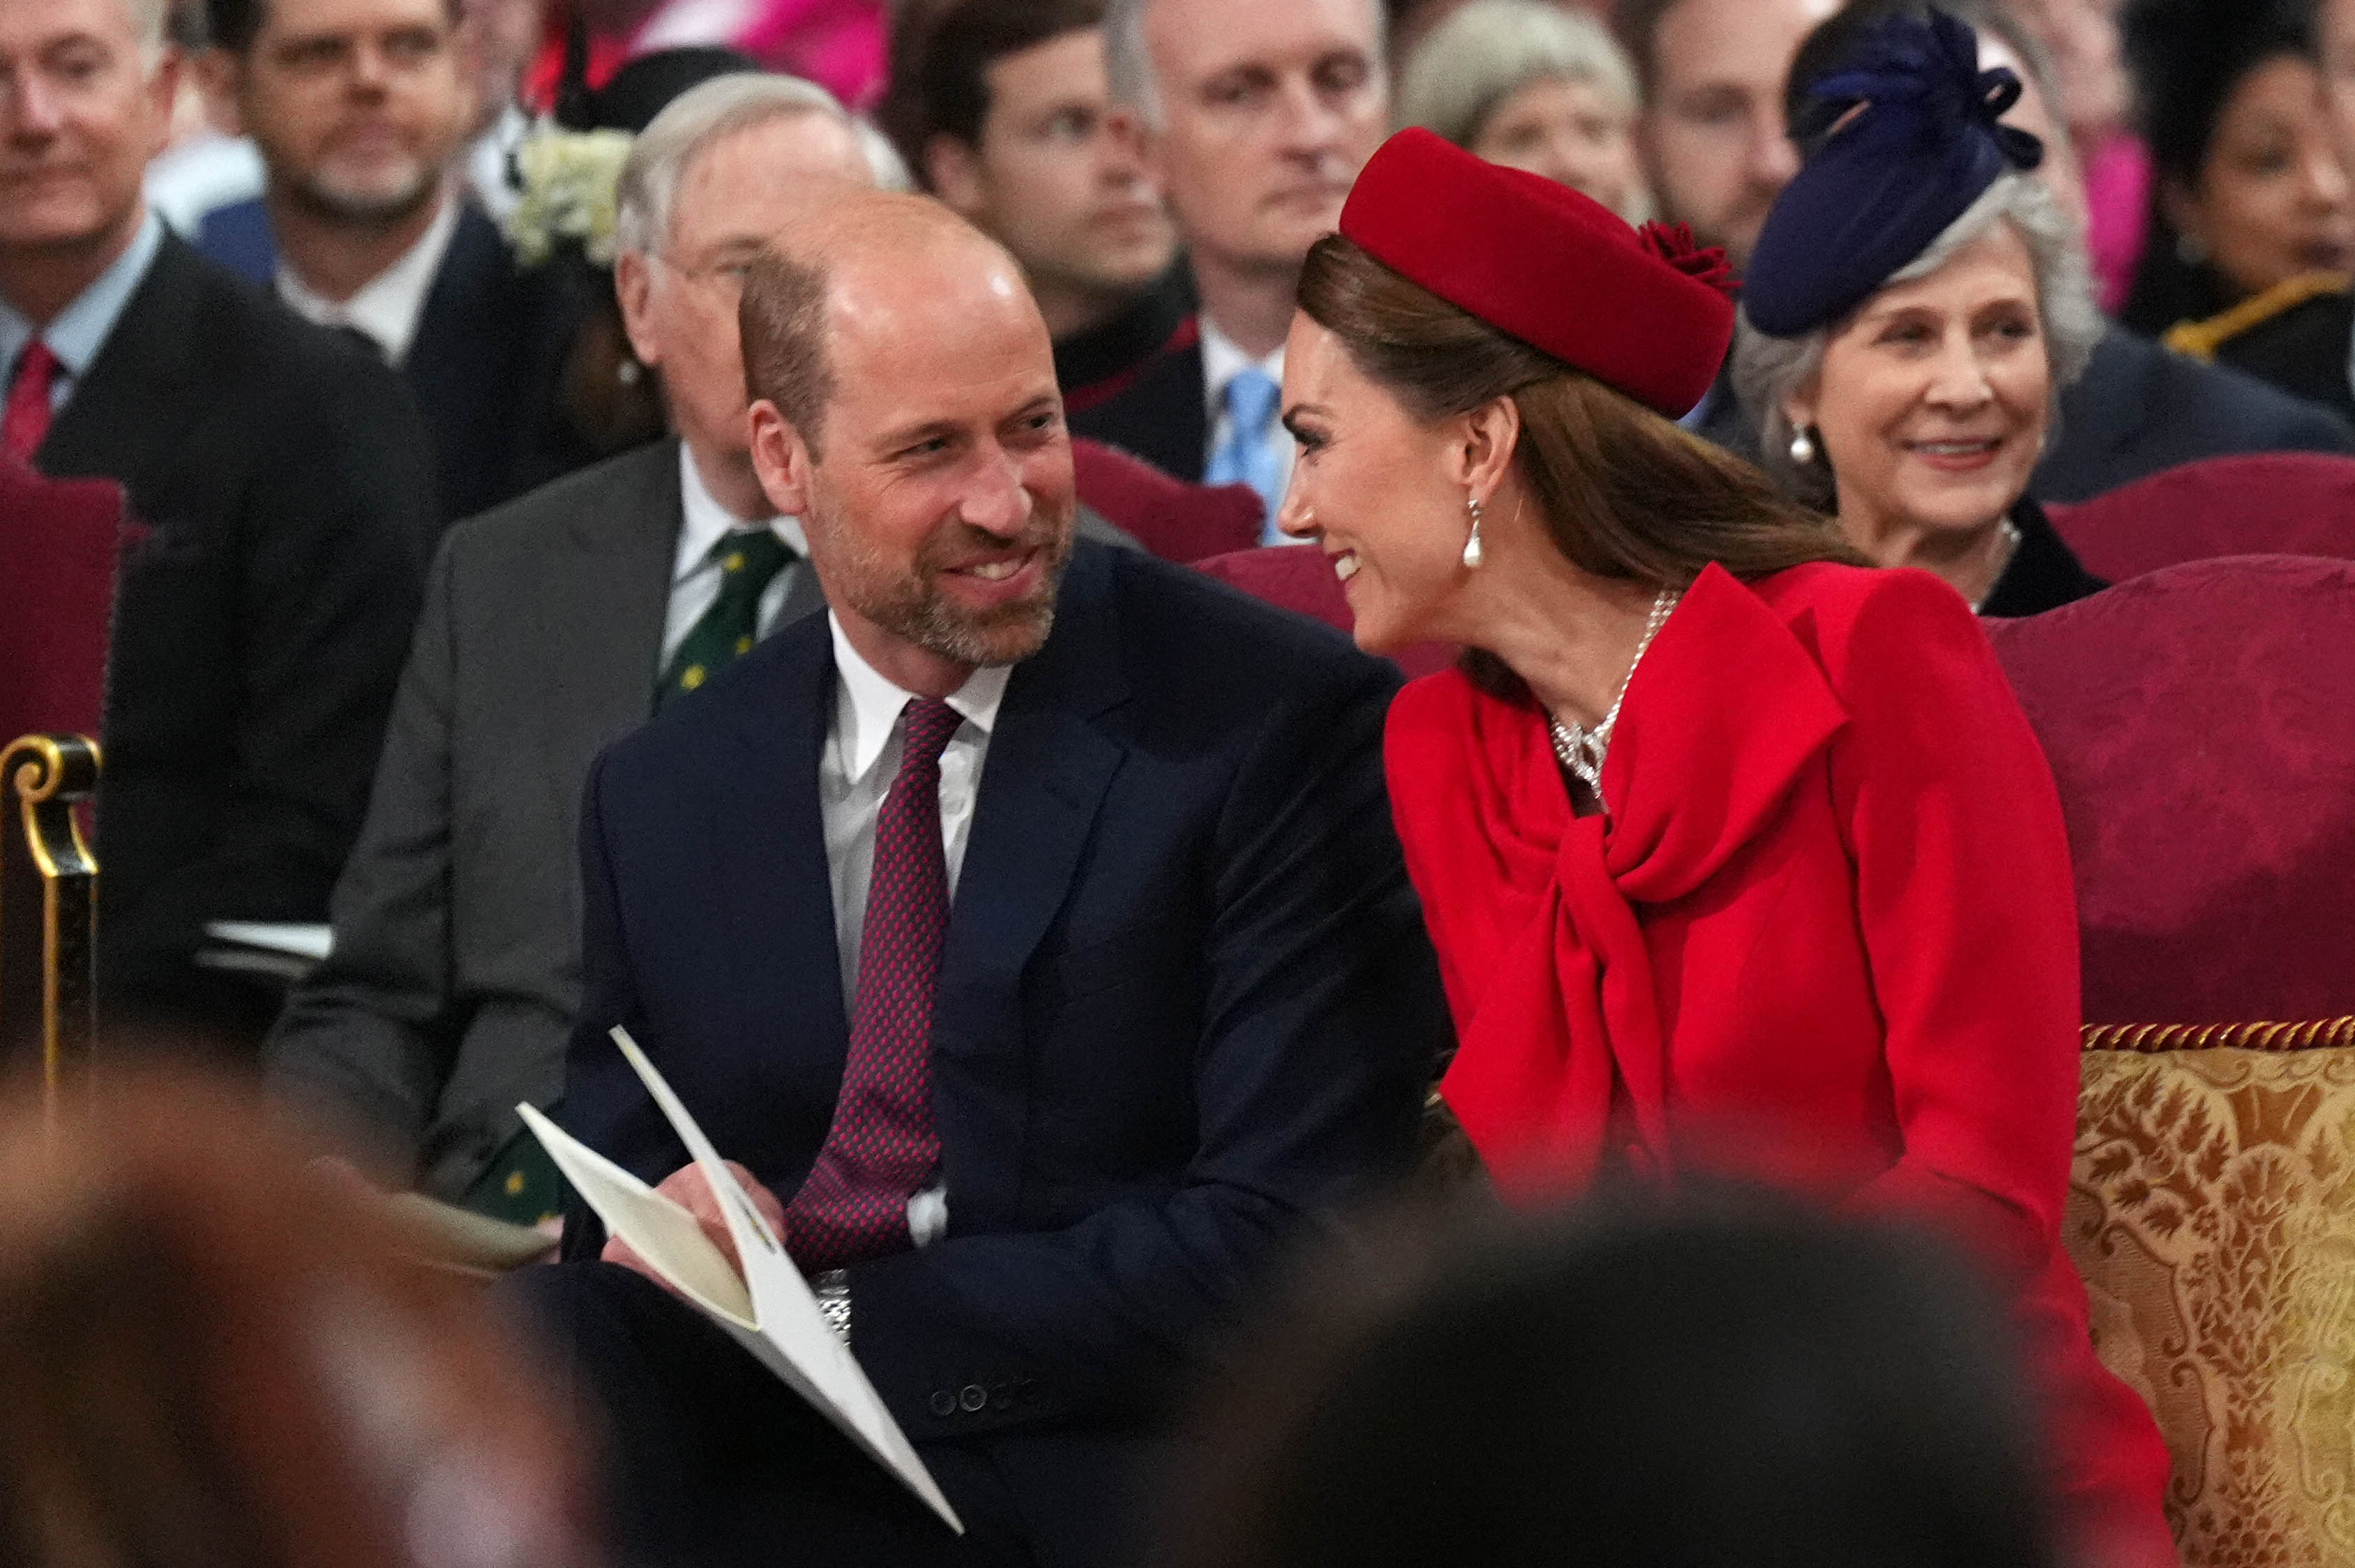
x=81, y=329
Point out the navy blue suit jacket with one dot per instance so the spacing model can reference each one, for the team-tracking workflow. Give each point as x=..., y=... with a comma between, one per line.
x=1187, y=1003
x=489, y=351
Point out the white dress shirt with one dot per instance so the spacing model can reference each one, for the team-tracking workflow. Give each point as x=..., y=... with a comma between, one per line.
x=694, y=574
x=1221, y=358
x=390, y=304
x=854, y=773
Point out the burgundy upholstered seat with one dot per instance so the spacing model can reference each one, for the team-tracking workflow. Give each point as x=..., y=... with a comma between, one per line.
x=1300, y=578
x=2200, y=723
x=2272, y=503
x=59, y=540
x=1171, y=517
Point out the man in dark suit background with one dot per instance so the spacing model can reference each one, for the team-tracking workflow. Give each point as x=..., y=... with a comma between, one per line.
x=1004, y=114
x=288, y=486
x=1031, y=927
x=1256, y=119
x=358, y=108
x=550, y=627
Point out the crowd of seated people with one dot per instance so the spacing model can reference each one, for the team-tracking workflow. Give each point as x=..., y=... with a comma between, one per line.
x=604, y=548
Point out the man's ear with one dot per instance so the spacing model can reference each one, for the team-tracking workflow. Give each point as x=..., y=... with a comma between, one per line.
x=220, y=78
x=781, y=459
x=633, y=283
x=953, y=171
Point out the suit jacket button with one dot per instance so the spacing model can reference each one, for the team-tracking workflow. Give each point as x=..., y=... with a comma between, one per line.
x=945, y=1403
x=971, y=1397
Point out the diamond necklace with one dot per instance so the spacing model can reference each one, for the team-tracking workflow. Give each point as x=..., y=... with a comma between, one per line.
x=1579, y=750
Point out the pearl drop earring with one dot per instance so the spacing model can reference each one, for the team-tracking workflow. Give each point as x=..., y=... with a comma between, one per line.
x=1802, y=446
x=1472, y=553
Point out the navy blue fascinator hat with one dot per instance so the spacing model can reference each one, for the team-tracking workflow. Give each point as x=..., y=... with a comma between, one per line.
x=1905, y=136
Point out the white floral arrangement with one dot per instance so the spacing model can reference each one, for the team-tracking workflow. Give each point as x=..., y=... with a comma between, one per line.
x=568, y=183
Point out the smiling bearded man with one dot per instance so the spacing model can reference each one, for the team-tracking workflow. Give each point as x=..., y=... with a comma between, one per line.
x=1030, y=926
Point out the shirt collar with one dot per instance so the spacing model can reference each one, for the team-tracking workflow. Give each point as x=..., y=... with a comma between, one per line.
x=704, y=522
x=389, y=306
x=80, y=330
x=1223, y=359
x=874, y=702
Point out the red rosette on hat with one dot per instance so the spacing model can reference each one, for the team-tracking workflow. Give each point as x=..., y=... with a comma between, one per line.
x=1646, y=313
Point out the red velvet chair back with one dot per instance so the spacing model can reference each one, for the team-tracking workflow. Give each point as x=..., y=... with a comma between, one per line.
x=58, y=544
x=2271, y=503
x=1300, y=578
x=1174, y=520
x=2200, y=723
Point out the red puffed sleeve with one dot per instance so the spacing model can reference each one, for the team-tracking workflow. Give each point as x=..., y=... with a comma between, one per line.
x=1969, y=917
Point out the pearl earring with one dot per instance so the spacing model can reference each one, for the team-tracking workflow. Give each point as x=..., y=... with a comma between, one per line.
x=1802, y=446
x=1472, y=552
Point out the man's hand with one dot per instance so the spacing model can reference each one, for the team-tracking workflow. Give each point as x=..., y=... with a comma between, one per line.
x=687, y=1187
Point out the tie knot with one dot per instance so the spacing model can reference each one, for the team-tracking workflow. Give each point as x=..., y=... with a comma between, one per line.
x=1252, y=396
x=751, y=556
x=930, y=722
x=36, y=366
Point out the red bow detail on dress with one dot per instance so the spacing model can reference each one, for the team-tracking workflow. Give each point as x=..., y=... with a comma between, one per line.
x=1538, y=916
x=1674, y=244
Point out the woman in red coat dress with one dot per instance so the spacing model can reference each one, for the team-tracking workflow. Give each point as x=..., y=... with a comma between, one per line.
x=1736, y=853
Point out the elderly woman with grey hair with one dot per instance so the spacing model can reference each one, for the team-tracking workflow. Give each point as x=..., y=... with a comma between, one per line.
x=1914, y=305
x=1531, y=86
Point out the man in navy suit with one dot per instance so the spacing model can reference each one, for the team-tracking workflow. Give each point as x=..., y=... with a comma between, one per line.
x=1030, y=926
x=359, y=107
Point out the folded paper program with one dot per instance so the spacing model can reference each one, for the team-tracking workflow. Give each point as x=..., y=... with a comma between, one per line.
x=767, y=1307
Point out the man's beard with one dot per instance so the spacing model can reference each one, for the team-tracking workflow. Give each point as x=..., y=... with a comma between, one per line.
x=371, y=210
x=912, y=606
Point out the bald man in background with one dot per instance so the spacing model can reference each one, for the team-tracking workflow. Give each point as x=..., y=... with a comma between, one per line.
x=1031, y=927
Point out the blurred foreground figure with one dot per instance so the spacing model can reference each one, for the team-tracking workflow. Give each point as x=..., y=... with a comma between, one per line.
x=208, y=1358
x=1728, y=1385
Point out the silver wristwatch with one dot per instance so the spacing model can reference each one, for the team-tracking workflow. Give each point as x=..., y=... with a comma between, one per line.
x=832, y=1289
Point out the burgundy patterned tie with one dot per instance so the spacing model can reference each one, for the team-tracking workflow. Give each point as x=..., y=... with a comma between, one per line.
x=882, y=1149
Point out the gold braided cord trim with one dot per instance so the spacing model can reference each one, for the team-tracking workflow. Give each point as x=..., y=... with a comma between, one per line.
x=2200, y=339
x=2207, y=1037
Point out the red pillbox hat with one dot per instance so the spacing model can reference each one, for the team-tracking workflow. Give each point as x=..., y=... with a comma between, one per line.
x=1644, y=311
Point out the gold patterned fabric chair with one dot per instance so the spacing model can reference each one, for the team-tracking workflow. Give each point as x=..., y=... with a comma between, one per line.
x=2212, y=1211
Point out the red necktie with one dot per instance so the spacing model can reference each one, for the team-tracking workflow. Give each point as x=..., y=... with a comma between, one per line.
x=27, y=420
x=881, y=1148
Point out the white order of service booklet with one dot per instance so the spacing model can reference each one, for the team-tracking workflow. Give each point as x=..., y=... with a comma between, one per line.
x=767, y=1309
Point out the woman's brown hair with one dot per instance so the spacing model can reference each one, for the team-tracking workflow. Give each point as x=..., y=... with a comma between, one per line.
x=1624, y=492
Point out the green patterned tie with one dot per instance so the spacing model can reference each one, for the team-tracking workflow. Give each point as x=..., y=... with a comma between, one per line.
x=749, y=561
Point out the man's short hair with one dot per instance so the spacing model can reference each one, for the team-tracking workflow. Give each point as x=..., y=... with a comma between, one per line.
x=1637, y=22
x=951, y=67
x=695, y=121
x=782, y=319
x=233, y=24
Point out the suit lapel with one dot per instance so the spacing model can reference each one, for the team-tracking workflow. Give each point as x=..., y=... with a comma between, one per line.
x=459, y=344
x=1048, y=769
x=139, y=393
x=601, y=614
x=804, y=596
x=776, y=914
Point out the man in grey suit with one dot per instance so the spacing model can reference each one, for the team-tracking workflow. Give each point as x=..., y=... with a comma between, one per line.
x=552, y=625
